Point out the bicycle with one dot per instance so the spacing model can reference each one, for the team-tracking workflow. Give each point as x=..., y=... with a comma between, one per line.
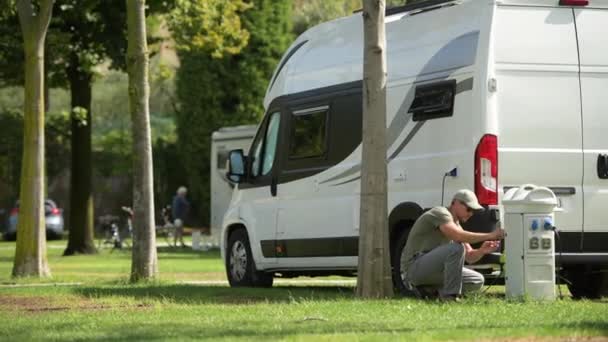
x=167, y=230
x=112, y=234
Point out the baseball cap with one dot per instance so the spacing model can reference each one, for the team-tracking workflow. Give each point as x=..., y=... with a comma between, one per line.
x=468, y=198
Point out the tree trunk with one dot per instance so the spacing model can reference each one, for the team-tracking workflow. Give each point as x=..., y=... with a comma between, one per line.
x=144, y=264
x=81, y=190
x=374, y=275
x=30, y=254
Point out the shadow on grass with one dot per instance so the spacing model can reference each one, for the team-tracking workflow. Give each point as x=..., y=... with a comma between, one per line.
x=7, y=259
x=244, y=330
x=166, y=252
x=198, y=294
x=187, y=253
x=258, y=329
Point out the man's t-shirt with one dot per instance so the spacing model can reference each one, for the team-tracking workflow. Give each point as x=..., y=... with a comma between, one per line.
x=425, y=234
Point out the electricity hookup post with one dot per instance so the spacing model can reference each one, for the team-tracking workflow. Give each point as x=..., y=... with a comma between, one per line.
x=530, y=244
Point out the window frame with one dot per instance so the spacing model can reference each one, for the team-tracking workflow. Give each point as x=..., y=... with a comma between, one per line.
x=304, y=112
x=434, y=112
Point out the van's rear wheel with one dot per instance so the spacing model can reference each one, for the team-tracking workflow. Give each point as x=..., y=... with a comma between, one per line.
x=240, y=266
x=587, y=282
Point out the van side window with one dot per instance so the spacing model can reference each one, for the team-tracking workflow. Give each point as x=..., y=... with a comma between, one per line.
x=308, y=138
x=256, y=157
x=265, y=146
x=272, y=137
x=434, y=101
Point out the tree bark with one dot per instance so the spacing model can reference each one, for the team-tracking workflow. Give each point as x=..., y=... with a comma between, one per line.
x=144, y=264
x=80, y=239
x=374, y=269
x=30, y=254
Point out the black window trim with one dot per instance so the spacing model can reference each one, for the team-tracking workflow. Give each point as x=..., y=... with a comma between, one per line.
x=310, y=111
x=434, y=112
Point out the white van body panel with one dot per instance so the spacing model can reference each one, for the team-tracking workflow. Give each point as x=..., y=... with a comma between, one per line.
x=550, y=3
x=539, y=108
x=516, y=68
x=449, y=51
x=593, y=41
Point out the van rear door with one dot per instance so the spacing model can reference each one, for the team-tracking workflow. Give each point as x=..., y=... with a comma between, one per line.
x=593, y=46
x=539, y=107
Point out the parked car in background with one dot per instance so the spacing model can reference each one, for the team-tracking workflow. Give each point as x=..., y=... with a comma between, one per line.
x=54, y=221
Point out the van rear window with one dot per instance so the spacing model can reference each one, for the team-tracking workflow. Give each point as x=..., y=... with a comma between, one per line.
x=434, y=101
x=308, y=134
x=222, y=159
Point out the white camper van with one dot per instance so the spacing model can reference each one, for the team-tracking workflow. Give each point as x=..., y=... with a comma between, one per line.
x=482, y=94
x=223, y=141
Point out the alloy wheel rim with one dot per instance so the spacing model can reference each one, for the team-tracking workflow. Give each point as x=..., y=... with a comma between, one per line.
x=238, y=261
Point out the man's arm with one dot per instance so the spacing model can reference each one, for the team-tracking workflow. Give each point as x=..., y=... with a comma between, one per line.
x=454, y=232
x=473, y=255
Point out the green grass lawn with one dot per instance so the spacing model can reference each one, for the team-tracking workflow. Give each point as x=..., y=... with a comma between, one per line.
x=110, y=266
x=103, y=306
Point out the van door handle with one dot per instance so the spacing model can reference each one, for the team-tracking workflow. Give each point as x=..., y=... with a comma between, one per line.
x=602, y=166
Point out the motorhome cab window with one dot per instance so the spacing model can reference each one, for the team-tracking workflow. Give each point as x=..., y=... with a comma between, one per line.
x=308, y=133
x=272, y=135
x=268, y=146
x=434, y=101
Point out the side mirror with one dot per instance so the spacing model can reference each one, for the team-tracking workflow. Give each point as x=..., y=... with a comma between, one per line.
x=236, y=166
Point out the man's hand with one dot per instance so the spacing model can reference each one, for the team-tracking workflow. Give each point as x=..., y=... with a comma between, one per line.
x=498, y=234
x=473, y=255
x=489, y=247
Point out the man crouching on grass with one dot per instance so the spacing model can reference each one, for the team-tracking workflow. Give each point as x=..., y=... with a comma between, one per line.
x=437, y=248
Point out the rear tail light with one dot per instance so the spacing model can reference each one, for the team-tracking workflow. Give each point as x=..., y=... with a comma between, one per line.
x=14, y=211
x=574, y=2
x=486, y=170
x=55, y=211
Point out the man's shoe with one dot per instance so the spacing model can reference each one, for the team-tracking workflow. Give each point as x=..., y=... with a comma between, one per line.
x=428, y=292
x=450, y=298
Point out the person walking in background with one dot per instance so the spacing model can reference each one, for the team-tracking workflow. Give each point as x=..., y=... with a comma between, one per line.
x=180, y=209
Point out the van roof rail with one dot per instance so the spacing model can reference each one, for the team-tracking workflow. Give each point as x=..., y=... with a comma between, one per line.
x=419, y=5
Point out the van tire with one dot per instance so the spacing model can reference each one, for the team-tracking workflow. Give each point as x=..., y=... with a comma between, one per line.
x=240, y=266
x=396, y=252
x=587, y=282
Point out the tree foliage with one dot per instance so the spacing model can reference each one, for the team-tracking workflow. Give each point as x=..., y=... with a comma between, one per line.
x=212, y=26
x=213, y=92
x=308, y=13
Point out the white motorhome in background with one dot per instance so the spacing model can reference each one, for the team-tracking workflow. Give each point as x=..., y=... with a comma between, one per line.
x=503, y=92
x=222, y=142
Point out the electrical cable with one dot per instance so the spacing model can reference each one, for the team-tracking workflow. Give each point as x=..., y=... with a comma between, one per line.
x=495, y=280
x=559, y=262
x=451, y=173
x=443, y=187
